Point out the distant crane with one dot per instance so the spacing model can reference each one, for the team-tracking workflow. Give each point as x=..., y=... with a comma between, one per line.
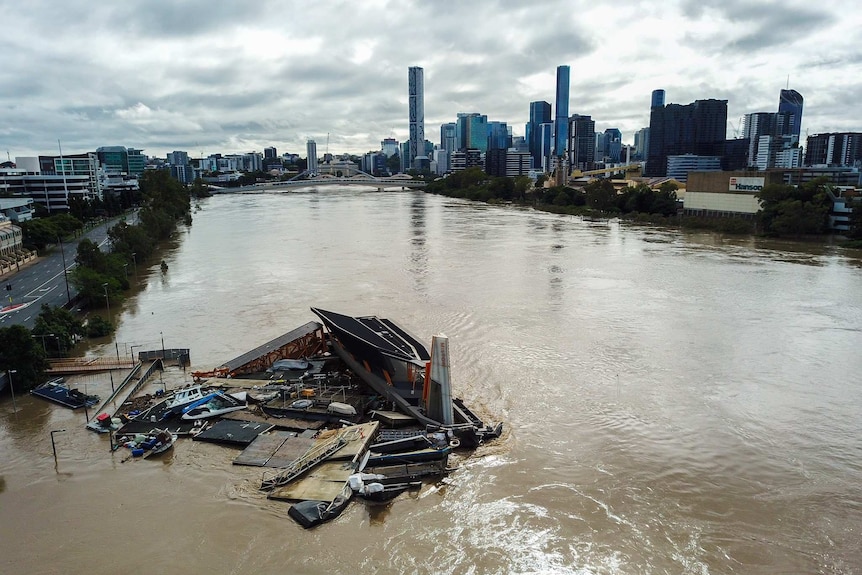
x=735, y=129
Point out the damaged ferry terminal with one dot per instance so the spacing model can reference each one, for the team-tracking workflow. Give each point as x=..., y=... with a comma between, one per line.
x=344, y=407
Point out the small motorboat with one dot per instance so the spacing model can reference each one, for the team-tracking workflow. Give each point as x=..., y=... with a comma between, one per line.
x=183, y=397
x=147, y=444
x=212, y=405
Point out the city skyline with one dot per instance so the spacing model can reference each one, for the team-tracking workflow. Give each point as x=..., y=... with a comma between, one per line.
x=231, y=79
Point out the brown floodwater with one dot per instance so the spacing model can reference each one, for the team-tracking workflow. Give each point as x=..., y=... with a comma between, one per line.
x=674, y=402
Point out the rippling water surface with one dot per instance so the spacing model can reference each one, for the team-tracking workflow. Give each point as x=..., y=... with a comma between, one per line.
x=674, y=403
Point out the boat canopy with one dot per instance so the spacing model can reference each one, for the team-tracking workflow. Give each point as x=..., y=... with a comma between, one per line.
x=379, y=334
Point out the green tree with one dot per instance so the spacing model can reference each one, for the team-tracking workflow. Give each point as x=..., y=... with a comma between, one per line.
x=97, y=326
x=600, y=195
x=59, y=325
x=788, y=210
x=40, y=232
x=21, y=352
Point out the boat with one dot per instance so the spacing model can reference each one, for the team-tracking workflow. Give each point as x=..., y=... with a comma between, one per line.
x=57, y=391
x=212, y=405
x=418, y=456
x=147, y=444
x=183, y=397
x=314, y=512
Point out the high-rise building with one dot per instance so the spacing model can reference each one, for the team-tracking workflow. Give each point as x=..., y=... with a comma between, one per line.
x=389, y=146
x=448, y=137
x=270, y=153
x=790, y=102
x=311, y=149
x=657, y=99
x=698, y=128
x=561, y=114
x=178, y=158
x=768, y=134
x=612, y=146
x=837, y=149
x=582, y=142
x=540, y=113
x=641, y=144
x=499, y=137
x=546, y=149
x=416, y=105
x=117, y=159
x=471, y=131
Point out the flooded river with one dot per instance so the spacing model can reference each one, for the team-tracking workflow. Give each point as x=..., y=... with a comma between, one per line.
x=674, y=403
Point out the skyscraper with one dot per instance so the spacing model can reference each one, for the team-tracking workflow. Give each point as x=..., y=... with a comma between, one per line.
x=582, y=142
x=416, y=104
x=498, y=136
x=790, y=102
x=311, y=148
x=698, y=128
x=540, y=113
x=561, y=114
x=448, y=141
x=471, y=131
x=657, y=99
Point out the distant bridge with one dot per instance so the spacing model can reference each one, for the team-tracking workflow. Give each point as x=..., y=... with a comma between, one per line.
x=356, y=180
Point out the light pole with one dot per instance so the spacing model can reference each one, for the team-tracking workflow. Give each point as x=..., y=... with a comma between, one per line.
x=135, y=262
x=107, y=301
x=9, y=373
x=163, y=345
x=126, y=270
x=53, y=446
x=65, y=276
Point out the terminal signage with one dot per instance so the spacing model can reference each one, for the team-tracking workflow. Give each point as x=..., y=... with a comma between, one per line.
x=746, y=184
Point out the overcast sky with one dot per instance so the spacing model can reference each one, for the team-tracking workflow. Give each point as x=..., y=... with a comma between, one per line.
x=207, y=76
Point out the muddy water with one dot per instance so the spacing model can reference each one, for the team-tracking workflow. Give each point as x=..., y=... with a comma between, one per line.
x=674, y=403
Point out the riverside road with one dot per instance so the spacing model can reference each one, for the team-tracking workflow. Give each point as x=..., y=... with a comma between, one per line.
x=44, y=281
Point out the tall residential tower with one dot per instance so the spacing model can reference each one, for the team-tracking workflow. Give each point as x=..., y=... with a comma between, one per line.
x=561, y=113
x=416, y=104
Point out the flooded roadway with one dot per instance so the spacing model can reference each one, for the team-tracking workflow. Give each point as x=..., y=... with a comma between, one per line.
x=674, y=403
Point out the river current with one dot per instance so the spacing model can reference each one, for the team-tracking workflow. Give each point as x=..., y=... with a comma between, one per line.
x=673, y=402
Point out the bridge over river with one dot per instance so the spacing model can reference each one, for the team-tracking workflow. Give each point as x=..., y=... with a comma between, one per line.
x=357, y=180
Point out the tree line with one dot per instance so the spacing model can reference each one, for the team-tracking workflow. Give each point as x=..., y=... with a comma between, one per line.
x=786, y=210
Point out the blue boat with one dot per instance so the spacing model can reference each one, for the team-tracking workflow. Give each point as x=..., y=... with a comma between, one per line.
x=212, y=405
x=57, y=391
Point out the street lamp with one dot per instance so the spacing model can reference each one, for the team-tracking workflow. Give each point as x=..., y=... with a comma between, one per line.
x=126, y=270
x=163, y=345
x=53, y=446
x=65, y=276
x=135, y=262
x=9, y=373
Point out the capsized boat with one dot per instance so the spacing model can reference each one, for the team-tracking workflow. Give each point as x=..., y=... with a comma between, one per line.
x=212, y=405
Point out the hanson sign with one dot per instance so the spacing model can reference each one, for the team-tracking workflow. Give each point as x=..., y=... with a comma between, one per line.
x=746, y=184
